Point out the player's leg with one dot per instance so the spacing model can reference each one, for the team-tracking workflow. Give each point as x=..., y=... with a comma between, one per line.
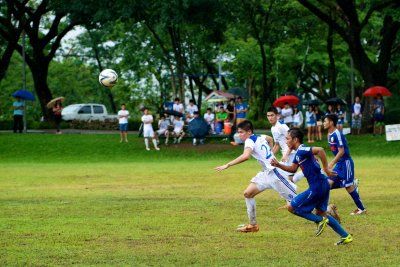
x=347, y=174
x=154, y=140
x=182, y=134
x=166, y=136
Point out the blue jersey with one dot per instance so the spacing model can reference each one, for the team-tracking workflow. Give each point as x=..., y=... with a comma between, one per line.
x=309, y=165
x=336, y=140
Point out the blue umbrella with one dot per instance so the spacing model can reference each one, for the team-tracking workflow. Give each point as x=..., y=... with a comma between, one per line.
x=198, y=127
x=26, y=95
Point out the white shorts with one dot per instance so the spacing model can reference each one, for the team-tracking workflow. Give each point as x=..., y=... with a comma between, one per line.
x=275, y=179
x=148, y=132
x=161, y=131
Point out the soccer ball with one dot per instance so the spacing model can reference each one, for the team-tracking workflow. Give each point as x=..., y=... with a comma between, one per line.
x=108, y=78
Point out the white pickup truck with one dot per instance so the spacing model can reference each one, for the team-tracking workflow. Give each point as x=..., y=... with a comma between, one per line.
x=87, y=112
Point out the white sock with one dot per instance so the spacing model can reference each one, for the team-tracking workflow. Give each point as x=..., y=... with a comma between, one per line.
x=155, y=143
x=251, y=210
x=146, y=142
x=298, y=176
x=194, y=141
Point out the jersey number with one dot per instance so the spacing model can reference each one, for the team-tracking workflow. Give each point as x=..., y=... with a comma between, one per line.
x=268, y=150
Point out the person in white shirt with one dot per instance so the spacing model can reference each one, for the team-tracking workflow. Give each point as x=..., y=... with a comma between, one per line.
x=178, y=107
x=287, y=115
x=210, y=119
x=123, y=115
x=148, y=131
x=297, y=117
x=190, y=110
x=178, y=132
x=356, y=115
x=260, y=147
x=279, y=132
x=163, y=125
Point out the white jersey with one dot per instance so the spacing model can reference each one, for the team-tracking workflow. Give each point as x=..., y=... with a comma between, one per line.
x=123, y=120
x=209, y=117
x=163, y=124
x=261, y=151
x=279, y=132
x=192, y=109
x=147, y=118
x=178, y=126
x=178, y=107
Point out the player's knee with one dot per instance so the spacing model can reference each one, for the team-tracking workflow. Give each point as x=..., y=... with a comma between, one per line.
x=290, y=208
x=247, y=194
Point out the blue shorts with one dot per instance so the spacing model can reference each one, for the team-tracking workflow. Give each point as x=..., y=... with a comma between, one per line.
x=345, y=174
x=315, y=197
x=123, y=127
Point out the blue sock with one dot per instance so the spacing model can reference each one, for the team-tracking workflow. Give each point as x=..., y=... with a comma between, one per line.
x=357, y=200
x=336, y=226
x=309, y=216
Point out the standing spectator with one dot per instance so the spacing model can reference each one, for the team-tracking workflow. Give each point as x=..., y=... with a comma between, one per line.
x=210, y=119
x=148, y=131
x=341, y=113
x=287, y=115
x=123, y=115
x=379, y=110
x=297, y=117
x=178, y=132
x=163, y=126
x=310, y=120
x=318, y=127
x=356, y=115
x=19, y=109
x=190, y=110
x=177, y=107
x=57, y=109
x=241, y=110
x=330, y=110
x=231, y=110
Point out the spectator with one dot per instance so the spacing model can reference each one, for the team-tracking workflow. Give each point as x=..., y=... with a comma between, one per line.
x=297, y=117
x=148, y=131
x=378, y=112
x=231, y=110
x=221, y=116
x=190, y=110
x=178, y=132
x=330, y=110
x=57, y=109
x=356, y=115
x=241, y=110
x=123, y=115
x=217, y=106
x=199, y=128
x=341, y=113
x=210, y=119
x=163, y=125
x=318, y=120
x=310, y=119
x=19, y=109
x=177, y=107
x=287, y=115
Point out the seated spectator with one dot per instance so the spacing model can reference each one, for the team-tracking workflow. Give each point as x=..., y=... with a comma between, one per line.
x=190, y=110
x=178, y=132
x=163, y=126
x=210, y=119
x=198, y=128
x=221, y=116
x=241, y=110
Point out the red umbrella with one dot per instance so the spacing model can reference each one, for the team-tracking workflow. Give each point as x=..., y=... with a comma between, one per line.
x=377, y=90
x=290, y=99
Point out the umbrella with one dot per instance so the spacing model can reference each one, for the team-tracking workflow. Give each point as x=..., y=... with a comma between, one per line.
x=26, y=95
x=313, y=102
x=377, y=90
x=198, y=127
x=335, y=101
x=290, y=99
x=173, y=113
x=53, y=101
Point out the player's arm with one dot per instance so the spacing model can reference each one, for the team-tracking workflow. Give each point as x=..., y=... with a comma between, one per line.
x=286, y=156
x=276, y=147
x=321, y=154
x=337, y=157
x=292, y=168
x=245, y=156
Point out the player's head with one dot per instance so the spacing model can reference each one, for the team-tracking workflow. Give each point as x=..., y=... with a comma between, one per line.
x=294, y=138
x=330, y=121
x=272, y=115
x=245, y=129
x=123, y=106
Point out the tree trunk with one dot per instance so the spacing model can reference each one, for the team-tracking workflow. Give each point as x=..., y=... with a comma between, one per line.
x=39, y=74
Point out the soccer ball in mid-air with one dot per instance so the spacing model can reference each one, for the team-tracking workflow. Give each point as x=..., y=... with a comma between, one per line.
x=108, y=78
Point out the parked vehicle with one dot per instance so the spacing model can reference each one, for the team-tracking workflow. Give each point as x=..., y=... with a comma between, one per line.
x=87, y=112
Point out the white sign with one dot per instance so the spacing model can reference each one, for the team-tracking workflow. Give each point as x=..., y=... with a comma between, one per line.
x=392, y=132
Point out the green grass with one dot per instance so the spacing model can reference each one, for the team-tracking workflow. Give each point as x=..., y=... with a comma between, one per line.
x=88, y=200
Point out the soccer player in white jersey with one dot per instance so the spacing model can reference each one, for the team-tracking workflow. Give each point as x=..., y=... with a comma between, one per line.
x=268, y=178
x=279, y=132
x=148, y=131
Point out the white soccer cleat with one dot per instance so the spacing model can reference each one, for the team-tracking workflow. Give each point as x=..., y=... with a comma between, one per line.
x=359, y=212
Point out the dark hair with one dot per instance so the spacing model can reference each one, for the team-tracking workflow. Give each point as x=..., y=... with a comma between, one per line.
x=246, y=125
x=176, y=99
x=196, y=113
x=191, y=101
x=333, y=118
x=239, y=97
x=123, y=104
x=209, y=109
x=296, y=133
x=272, y=109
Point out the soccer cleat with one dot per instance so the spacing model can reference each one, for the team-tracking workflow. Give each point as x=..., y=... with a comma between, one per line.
x=344, y=240
x=157, y=148
x=321, y=226
x=359, y=212
x=248, y=228
x=148, y=149
x=333, y=211
x=179, y=140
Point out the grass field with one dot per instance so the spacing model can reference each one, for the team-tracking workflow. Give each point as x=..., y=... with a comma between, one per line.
x=89, y=200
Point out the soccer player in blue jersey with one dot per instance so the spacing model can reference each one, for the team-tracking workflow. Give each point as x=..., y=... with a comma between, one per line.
x=260, y=147
x=317, y=195
x=344, y=163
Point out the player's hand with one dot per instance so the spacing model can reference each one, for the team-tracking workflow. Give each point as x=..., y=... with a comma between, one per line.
x=221, y=168
x=284, y=158
x=330, y=166
x=330, y=172
x=274, y=162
